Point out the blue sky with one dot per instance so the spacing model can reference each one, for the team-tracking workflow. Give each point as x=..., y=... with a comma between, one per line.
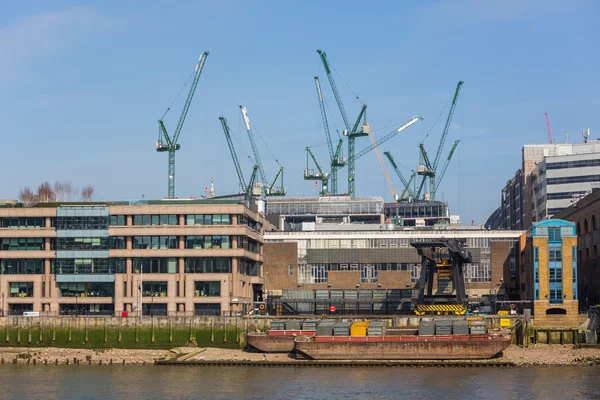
x=83, y=84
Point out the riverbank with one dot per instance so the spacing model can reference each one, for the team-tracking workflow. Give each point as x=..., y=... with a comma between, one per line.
x=537, y=355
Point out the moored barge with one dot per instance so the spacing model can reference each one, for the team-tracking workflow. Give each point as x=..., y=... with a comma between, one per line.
x=276, y=341
x=451, y=347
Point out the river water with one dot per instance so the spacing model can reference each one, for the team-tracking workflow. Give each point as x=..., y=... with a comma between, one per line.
x=130, y=382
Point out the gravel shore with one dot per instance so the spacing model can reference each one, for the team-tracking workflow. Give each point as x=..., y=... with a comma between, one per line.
x=536, y=355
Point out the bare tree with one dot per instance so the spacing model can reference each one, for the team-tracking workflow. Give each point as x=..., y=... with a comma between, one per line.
x=59, y=191
x=68, y=189
x=45, y=192
x=27, y=196
x=87, y=192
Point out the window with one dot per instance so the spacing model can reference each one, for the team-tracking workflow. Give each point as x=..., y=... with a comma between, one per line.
x=87, y=309
x=556, y=296
x=207, y=242
x=554, y=254
x=536, y=257
x=208, y=265
x=22, y=244
x=87, y=289
x=207, y=289
x=117, y=220
x=155, y=265
x=69, y=223
x=155, y=242
x=478, y=272
x=291, y=270
x=207, y=309
x=88, y=266
x=554, y=234
x=156, y=220
x=208, y=219
x=23, y=222
x=12, y=266
x=21, y=289
x=247, y=267
x=89, y=243
x=154, y=289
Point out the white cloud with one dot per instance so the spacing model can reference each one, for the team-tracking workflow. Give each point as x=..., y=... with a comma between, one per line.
x=33, y=38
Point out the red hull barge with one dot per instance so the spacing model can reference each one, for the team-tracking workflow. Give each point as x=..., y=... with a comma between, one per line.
x=456, y=347
x=276, y=341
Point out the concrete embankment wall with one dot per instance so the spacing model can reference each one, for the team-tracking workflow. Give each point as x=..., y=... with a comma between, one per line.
x=115, y=332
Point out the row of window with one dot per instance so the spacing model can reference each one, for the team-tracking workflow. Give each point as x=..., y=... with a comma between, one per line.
x=574, y=179
x=119, y=242
x=103, y=289
x=70, y=223
x=89, y=243
x=208, y=219
x=88, y=266
x=23, y=222
x=573, y=164
x=22, y=244
x=218, y=265
x=155, y=242
x=564, y=195
x=207, y=242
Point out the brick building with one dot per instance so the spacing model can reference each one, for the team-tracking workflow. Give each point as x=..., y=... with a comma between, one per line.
x=373, y=260
x=549, y=272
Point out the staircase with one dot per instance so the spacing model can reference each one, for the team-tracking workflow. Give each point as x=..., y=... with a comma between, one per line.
x=592, y=326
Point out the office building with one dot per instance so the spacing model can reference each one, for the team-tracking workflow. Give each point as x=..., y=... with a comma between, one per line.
x=583, y=214
x=169, y=257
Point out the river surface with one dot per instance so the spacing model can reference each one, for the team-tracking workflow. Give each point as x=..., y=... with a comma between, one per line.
x=130, y=382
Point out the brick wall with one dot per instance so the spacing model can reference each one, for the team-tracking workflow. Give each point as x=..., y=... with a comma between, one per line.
x=277, y=259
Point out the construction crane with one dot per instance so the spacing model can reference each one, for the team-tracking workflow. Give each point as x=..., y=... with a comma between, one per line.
x=268, y=190
x=427, y=169
x=445, y=166
x=245, y=188
x=311, y=175
x=550, y=139
x=170, y=143
x=337, y=160
x=406, y=183
x=351, y=132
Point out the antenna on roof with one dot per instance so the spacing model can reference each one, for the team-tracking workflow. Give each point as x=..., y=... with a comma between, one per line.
x=586, y=135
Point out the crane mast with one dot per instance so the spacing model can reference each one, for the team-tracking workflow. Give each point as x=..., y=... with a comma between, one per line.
x=257, y=160
x=170, y=143
x=234, y=156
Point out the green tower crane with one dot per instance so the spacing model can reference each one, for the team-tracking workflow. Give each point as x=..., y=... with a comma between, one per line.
x=427, y=169
x=319, y=175
x=170, y=143
x=336, y=158
x=352, y=132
